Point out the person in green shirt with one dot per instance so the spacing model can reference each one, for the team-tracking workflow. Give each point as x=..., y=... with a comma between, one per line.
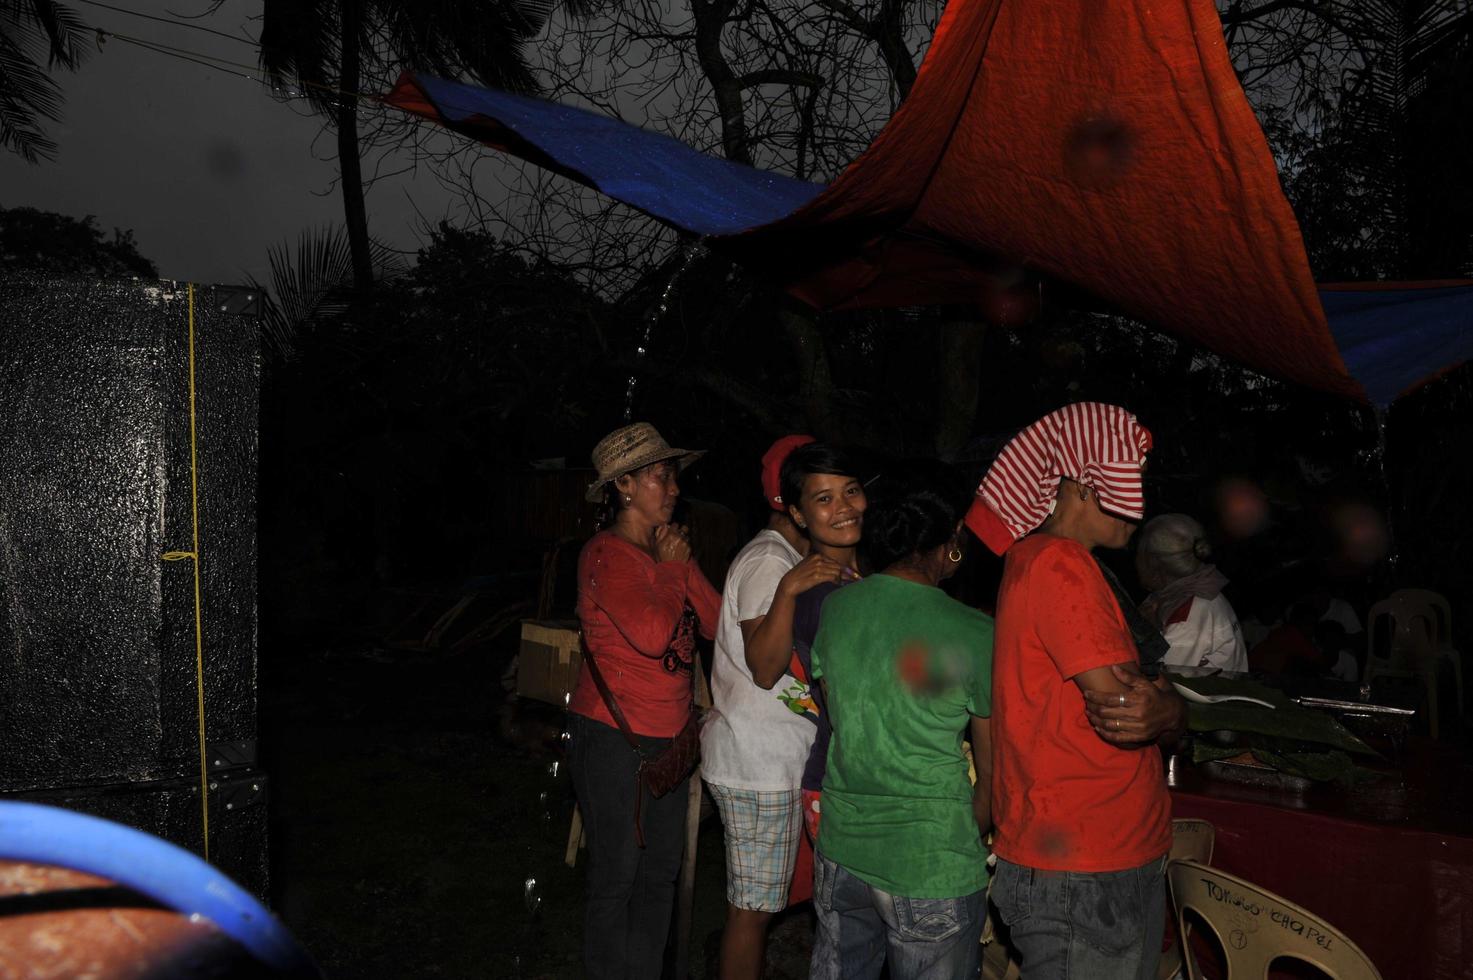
x=900, y=872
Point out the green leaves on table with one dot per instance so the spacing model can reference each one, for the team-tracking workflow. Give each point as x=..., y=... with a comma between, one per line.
x=1286, y=720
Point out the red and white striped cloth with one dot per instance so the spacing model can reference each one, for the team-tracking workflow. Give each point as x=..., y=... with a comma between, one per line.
x=1100, y=446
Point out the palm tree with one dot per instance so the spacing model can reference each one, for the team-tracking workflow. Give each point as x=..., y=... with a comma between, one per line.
x=333, y=49
x=33, y=31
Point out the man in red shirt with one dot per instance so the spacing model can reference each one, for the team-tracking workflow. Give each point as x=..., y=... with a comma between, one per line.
x=1079, y=798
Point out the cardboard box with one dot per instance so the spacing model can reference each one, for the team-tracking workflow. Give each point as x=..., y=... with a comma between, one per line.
x=549, y=660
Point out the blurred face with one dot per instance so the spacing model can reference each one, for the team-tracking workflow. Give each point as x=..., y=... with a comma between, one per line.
x=652, y=491
x=832, y=509
x=1110, y=531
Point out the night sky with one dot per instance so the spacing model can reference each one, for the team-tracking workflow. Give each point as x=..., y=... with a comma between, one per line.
x=205, y=166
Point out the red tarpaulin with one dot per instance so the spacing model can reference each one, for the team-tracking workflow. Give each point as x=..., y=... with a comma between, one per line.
x=1106, y=144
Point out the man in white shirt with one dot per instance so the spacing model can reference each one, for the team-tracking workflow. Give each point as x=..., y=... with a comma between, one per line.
x=754, y=746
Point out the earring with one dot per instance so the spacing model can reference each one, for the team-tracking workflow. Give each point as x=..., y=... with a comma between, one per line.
x=801, y=525
x=954, y=555
x=628, y=500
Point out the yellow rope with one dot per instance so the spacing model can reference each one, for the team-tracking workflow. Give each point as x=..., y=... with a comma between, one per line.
x=199, y=629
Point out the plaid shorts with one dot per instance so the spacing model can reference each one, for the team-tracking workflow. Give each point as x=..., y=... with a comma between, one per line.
x=762, y=830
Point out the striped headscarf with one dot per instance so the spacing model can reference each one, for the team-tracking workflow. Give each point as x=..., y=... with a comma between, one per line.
x=1100, y=446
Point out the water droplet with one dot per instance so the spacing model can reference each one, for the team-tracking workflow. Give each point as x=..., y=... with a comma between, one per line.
x=554, y=766
x=531, y=897
x=693, y=251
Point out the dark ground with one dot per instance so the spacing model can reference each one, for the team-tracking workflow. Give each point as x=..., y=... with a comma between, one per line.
x=406, y=823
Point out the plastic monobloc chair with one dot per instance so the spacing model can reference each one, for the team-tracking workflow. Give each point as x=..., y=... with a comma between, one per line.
x=1424, y=606
x=1191, y=840
x=1256, y=927
x=1403, y=633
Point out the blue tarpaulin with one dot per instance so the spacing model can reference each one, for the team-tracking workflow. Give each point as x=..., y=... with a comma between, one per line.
x=660, y=176
x=1396, y=336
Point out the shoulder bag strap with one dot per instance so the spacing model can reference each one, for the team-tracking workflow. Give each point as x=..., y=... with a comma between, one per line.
x=617, y=712
x=608, y=695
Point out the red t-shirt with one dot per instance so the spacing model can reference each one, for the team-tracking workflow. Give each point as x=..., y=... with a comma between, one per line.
x=1064, y=799
x=633, y=612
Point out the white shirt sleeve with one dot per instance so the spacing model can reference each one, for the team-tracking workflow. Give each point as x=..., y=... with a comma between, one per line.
x=756, y=584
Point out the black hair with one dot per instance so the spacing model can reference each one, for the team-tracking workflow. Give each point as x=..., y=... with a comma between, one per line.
x=608, y=507
x=612, y=500
x=812, y=459
x=914, y=509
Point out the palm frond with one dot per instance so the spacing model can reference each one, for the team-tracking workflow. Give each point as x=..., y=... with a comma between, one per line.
x=64, y=31
x=299, y=46
x=312, y=282
x=34, y=35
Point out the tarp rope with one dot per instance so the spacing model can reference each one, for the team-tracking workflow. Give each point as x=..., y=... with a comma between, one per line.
x=193, y=556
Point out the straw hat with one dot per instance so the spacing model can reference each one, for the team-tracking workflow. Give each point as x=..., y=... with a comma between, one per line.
x=627, y=449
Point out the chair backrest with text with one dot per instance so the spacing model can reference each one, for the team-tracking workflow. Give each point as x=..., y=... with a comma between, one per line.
x=1256, y=927
x=1192, y=840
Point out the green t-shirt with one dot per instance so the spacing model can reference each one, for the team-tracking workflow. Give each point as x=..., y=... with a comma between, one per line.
x=904, y=665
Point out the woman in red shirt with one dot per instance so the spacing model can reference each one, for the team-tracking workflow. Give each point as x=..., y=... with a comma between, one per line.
x=641, y=602
x=1079, y=798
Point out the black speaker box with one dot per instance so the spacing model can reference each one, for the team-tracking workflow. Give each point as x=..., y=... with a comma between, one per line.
x=98, y=700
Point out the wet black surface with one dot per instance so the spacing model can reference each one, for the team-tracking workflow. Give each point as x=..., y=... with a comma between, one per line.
x=98, y=631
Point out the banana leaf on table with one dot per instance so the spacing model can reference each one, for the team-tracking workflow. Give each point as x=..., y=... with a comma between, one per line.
x=1290, y=737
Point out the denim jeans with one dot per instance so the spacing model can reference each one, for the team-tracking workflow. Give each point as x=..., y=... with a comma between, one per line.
x=629, y=892
x=1074, y=925
x=861, y=926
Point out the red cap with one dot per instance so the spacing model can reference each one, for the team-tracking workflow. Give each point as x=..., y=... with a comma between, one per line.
x=772, y=464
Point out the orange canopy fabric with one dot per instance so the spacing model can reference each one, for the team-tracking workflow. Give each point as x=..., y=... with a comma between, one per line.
x=1107, y=144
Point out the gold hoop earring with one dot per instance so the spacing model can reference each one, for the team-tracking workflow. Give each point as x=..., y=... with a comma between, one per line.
x=628, y=500
x=954, y=555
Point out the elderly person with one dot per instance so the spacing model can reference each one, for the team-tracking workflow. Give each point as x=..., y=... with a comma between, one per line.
x=641, y=602
x=1186, y=601
x=1079, y=797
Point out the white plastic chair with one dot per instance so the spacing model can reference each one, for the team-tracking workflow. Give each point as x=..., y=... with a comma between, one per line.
x=1409, y=633
x=1255, y=927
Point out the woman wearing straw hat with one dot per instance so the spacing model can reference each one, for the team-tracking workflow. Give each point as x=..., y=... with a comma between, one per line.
x=641, y=601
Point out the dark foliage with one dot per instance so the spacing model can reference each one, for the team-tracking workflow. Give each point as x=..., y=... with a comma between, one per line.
x=31, y=239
